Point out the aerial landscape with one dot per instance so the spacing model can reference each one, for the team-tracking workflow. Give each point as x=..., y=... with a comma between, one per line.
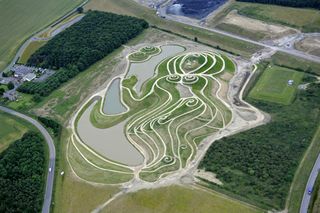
x=176, y=106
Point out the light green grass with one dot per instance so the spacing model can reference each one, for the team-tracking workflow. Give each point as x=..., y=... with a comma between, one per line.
x=11, y=129
x=33, y=46
x=303, y=19
x=177, y=199
x=24, y=101
x=20, y=19
x=70, y=193
x=293, y=62
x=273, y=85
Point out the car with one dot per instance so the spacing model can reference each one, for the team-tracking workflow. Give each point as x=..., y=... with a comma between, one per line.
x=309, y=190
x=50, y=169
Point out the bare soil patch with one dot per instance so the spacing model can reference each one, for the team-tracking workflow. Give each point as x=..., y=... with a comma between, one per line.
x=309, y=45
x=271, y=31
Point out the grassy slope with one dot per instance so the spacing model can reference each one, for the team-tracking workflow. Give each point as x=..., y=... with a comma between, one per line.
x=11, y=129
x=314, y=206
x=176, y=199
x=283, y=59
x=272, y=85
x=302, y=174
x=130, y=7
x=73, y=195
x=33, y=46
x=20, y=19
x=303, y=19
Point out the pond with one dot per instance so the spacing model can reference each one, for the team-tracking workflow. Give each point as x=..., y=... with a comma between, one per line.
x=110, y=143
x=112, y=102
x=145, y=70
x=198, y=9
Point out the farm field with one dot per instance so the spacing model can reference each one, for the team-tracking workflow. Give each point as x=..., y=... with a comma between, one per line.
x=273, y=86
x=176, y=199
x=20, y=19
x=12, y=129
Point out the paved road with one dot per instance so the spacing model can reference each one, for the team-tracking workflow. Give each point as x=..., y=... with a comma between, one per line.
x=52, y=155
x=312, y=178
x=293, y=52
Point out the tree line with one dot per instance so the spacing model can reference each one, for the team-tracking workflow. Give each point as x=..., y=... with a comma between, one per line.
x=81, y=45
x=259, y=164
x=22, y=175
x=289, y=3
x=51, y=124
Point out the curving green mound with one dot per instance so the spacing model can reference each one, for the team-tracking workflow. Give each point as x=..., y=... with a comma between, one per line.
x=177, y=109
x=144, y=54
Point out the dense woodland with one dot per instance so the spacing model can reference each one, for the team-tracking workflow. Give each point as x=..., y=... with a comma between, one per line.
x=259, y=164
x=51, y=124
x=80, y=46
x=289, y=3
x=22, y=173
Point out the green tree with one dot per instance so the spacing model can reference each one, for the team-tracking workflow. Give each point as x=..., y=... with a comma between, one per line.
x=10, y=85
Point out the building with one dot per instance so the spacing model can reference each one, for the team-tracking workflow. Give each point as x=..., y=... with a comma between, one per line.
x=19, y=71
x=29, y=77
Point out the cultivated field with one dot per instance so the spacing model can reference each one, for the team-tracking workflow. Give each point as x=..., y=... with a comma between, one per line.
x=273, y=85
x=176, y=199
x=12, y=129
x=20, y=19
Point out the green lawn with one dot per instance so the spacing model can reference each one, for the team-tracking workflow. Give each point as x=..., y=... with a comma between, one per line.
x=20, y=19
x=11, y=129
x=176, y=199
x=273, y=85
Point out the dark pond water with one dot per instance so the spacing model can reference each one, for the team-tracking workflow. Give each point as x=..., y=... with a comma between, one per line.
x=194, y=8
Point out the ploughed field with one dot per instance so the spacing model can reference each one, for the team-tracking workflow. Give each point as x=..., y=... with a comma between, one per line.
x=162, y=122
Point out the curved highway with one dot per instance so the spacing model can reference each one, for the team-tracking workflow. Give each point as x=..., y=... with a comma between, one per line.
x=52, y=155
x=310, y=185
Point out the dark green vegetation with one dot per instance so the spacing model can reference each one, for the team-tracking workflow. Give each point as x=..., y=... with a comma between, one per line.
x=87, y=41
x=22, y=173
x=314, y=205
x=259, y=164
x=51, y=124
x=290, y=3
x=80, y=46
x=293, y=62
